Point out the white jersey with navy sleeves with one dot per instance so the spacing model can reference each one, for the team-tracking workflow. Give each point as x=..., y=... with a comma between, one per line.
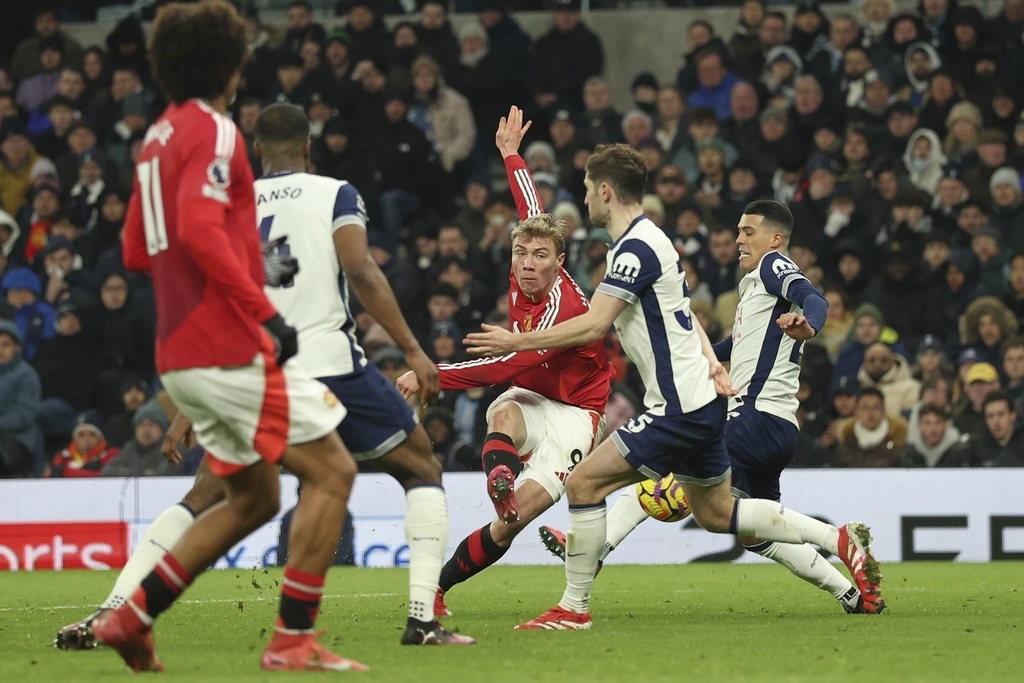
x=765, y=361
x=656, y=329
x=308, y=209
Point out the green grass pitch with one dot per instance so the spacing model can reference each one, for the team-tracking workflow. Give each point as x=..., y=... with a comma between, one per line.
x=697, y=622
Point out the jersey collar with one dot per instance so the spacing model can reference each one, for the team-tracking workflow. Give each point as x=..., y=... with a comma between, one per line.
x=635, y=221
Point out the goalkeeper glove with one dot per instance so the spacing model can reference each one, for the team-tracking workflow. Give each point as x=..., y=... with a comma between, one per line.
x=286, y=338
x=279, y=266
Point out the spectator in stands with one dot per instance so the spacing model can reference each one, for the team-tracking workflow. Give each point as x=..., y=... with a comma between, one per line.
x=744, y=44
x=563, y=59
x=410, y=172
x=52, y=124
x=1006, y=214
x=905, y=292
x=87, y=454
x=1013, y=295
x=936, y=112
x=36, y=218
x=20, y=165
x=924, y=160
x=507, y=41
x=33, y=316
x=9, y=234
x=127, y=339
x=951, y=193
x=935, y=442
x=1012, y=366
x=25, y=61
x=980, y=380
x=986, y=325
x=671, y=133
x=454, y=454
x=129, y=106
x=94, y=76
x=64, y=276
x=435, y=36
x=874, y=437
x=141, y=456
x=20, y=438
x=963, y=125
x=444, y=116
x=991, y=155
x=721, y=272
x=891, y=375
x=370, y=36
x=868, y=328
x=716, y=84
x=134, y=394
x=1001, y=444
x=35, y=90
x=742, y=128
x=700, y=37
x=301, y=28
x=931, y=360
x=772, y=31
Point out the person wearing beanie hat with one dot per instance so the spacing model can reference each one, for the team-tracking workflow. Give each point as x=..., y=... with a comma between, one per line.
x=135, y=391
x=88, y=453
x=34, y=317
x=141, y=456
x=20, y=390
x=1006, y=213
x=868, y=327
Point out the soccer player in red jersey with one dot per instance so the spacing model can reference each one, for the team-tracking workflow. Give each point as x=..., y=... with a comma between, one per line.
x=554, y=413
x=222, y=348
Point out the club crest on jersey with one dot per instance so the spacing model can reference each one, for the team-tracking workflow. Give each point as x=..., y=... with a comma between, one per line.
x=330, y=400
x=625, y=267
x=218, y=173
x=783, y=267
x=528, y=322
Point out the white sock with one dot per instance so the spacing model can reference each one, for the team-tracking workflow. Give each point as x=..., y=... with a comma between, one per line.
x=162, y=535
x=625, y=515
x=587, y=531
x=774, y=522
x=426, y=531
x=807, y=563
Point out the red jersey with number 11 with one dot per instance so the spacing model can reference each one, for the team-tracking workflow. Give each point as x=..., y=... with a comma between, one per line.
x=191, y=222
x=578, y=375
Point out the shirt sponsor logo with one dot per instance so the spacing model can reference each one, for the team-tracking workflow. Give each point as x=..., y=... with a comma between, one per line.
x=625, y=268
x=783, y=267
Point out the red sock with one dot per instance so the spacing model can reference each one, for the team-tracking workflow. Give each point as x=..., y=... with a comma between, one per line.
x=161, y=587
x=300, y=599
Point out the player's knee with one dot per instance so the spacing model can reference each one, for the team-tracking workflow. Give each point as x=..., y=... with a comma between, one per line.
x=502, y=419
x=255, y=507
x=578, y=489
x=712, y=518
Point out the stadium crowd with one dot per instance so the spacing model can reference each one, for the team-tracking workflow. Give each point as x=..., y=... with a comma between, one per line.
x=896, y=138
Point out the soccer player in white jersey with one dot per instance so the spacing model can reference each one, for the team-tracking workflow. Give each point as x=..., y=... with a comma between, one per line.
x=681, y=431
x=324, y=221
x=778, y=310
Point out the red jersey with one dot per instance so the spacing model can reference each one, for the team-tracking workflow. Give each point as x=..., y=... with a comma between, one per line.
x=191, y=222
x=579, y=375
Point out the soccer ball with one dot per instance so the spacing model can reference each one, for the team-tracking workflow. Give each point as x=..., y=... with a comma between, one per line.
x=663, y=500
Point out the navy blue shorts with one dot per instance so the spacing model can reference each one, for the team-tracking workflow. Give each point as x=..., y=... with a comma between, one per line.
x=760, y=446
x=690, y=446
x=378, y=417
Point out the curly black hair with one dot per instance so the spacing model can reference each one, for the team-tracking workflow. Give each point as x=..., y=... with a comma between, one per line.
x=197, y=49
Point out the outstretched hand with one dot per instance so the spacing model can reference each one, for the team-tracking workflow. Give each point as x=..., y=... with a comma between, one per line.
x=796, y=326
x=493, y=341
x=511, y=131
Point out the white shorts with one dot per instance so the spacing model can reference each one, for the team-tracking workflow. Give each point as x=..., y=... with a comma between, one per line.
x=246, y=413
x=558, y=437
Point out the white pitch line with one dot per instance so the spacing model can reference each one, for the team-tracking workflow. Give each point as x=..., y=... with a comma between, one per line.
x=198, y=602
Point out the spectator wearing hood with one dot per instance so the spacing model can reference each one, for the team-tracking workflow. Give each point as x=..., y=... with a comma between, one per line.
x=924, y=160
x=141, y=456
x=961, y=288
x=847, y=268
x=809, y=25
x=967, y=37
x=987, y=324
x=135, y=391
x=34, y=317
x=87, y=454
x=10, y=231
x=20, y=438
x=889, y=52
x=64, y=275
x=920, y=61
x=944, y=93
x=782, y=66
x=963, y=124
x=127, y=339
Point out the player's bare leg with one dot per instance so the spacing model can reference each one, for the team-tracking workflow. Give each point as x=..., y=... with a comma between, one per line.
x=598, y=475
x=165, y=531
x=426, y=530
x=487, y=545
